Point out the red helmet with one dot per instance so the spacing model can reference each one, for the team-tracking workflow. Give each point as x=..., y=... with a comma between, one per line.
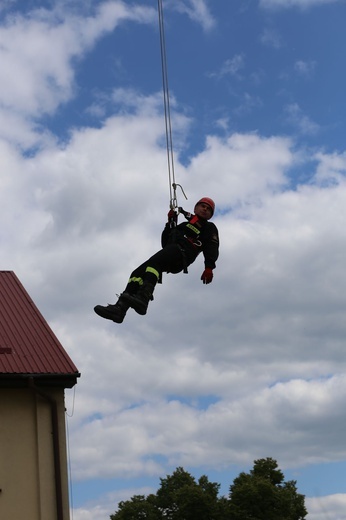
x=210, y=202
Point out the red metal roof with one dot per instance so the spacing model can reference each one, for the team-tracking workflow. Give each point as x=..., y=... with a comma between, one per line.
x=28, y=346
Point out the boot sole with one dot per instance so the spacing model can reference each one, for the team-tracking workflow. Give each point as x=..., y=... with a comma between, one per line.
x=101, y=311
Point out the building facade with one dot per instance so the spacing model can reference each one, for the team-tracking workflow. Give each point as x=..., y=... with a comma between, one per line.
x=35, y=370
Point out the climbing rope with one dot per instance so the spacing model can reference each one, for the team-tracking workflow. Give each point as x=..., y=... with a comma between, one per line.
x=167, y=111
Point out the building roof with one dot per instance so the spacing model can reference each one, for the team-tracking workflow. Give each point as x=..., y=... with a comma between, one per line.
x=28, y=346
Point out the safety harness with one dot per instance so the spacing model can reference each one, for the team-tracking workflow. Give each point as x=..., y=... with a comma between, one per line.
x=192, y=237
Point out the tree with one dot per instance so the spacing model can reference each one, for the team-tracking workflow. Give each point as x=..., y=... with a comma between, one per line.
x=262, y=494
x=137, y=508
x=179, y=497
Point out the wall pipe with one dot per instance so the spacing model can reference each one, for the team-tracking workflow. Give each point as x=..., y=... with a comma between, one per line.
x=56, y=446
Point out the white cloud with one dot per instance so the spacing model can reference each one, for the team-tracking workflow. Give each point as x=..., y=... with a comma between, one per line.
x=127, y=443
x=245, y=166
x=331, y=506
x=331, y=168
x=231, y=67
x=305, y=68
x=248, y=104
x=107, y=504
x=197, y=10
x=88, y=212
x=277, y=298
x=37, y=53
x=272, y=38
x=295, y=116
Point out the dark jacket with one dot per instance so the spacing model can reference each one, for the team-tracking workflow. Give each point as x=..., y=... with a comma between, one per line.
x=195, y=236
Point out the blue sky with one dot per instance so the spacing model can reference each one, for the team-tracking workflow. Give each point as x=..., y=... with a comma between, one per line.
x=255, y=69
x=214, y=377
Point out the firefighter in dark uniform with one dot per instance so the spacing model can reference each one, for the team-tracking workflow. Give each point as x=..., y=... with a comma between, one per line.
x=181, y=244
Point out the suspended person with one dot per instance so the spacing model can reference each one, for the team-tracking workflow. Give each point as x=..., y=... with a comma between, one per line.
x=181, y=244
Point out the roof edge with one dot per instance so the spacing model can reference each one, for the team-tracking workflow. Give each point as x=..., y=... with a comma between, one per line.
x=45, y=380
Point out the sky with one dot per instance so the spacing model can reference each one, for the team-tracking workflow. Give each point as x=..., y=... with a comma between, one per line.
x=214, y=376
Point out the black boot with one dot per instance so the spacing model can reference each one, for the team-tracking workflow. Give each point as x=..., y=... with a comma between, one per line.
x=114, y=312
x=140, y=301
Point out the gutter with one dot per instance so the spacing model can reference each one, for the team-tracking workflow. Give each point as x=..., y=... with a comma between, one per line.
x=56, y=445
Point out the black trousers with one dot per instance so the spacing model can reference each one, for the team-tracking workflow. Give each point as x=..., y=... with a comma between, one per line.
x=170, y=259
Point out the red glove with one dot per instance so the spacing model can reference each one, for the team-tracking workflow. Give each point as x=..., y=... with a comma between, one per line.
x=207, y=275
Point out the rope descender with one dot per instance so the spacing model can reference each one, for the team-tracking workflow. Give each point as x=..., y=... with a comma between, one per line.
x=174, y=201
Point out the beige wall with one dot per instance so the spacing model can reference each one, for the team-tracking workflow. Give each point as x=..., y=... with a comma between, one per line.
x=27, y=478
